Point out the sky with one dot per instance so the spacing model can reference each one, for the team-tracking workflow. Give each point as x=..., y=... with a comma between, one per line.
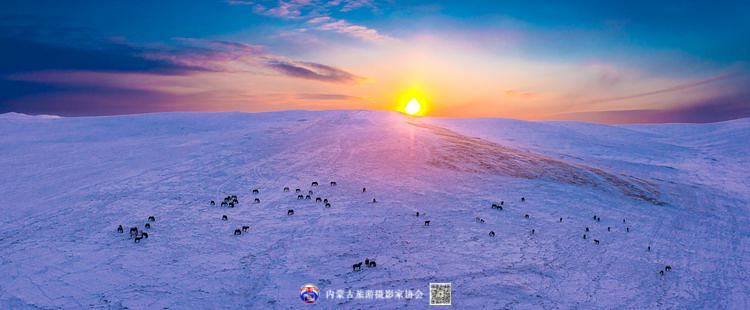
x=600, y=61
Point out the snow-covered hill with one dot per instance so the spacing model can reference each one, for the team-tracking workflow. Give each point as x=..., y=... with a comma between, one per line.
x=67, y=183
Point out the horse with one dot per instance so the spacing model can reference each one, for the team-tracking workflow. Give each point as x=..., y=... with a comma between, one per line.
x=151, y=219
x=364, y=189
x=119, y=229
x=372, y=264
x=300, y=197
x=137, y=239
x=357, y=266
x=297, y=190
x=290, y=212
x=668, y=268
x=245, y=228
x=325, y=200
x=587, y=229
x=609, y=228
x=223, y=203
x=492, y=233
x=328, y=205
x=526, y=216
x=235, y=201
x=231, y=205
x=596, y=241
x=308, y=197
x=523, y=199
x=147, y=226
x=286, y=189
x=374, y=201
x=256, y=191
x=649, y=248
x=598, y=219
x=533, y=231
x=213, y=203
x=133, y=231
x=257, y=200
x=237, y=232
x=560, y=220
x=333, y=183
x=426, y=223
x=309, y=192
x=318, y=199
x=661, y=272
x=314, y=183
x=584, y=236
x=495, y=206
x=417, y=213
x=224, y=218
x=367, y=262
x=144, y=234
x=481, y=221
x=627, y=229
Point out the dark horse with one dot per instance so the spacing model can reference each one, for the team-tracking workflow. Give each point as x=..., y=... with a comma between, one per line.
x=289, y=212
x=237, y=232
x=314, y=184
x=357, y=266
x=245, y=228
x=151, y=219
x=119, y=229
x=256, y=191
x=426, y=223
x=286, y=189
x=224, y=218
x=492, y=233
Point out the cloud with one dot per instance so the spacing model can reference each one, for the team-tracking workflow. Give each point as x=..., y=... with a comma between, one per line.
x=356, y=31
x=521, y=94
x=716, y=109
x=671, y=89
x=20, y=55
x=318, y=20
x=312, y=71
x=319, y=12
x=327, y=97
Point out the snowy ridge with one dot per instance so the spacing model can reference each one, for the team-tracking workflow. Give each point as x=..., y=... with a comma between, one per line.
x=682, y=189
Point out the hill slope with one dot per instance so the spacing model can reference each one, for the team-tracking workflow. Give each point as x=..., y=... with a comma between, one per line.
x=68, y=183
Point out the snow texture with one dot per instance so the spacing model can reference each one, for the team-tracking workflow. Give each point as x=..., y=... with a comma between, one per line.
x=67, y=183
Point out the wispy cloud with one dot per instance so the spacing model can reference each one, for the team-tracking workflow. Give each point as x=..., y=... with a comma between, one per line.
x=356, y=31
x=313, y=71
x=670, y=89
x=318, y=13
x=328, y=97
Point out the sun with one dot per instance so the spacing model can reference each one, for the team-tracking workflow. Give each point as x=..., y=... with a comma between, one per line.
x=413, y=107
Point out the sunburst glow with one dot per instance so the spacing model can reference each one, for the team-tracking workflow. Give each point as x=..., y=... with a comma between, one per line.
x=413, y=107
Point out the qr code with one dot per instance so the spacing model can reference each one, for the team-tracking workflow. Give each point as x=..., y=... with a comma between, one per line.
x=440, y=293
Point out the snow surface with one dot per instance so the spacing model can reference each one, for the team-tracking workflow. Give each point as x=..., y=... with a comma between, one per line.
x=67, y=183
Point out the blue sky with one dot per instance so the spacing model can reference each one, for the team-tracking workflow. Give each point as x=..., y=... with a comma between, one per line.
x=634, y=61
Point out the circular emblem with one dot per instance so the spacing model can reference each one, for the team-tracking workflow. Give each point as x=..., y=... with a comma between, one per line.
x=309, y=293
